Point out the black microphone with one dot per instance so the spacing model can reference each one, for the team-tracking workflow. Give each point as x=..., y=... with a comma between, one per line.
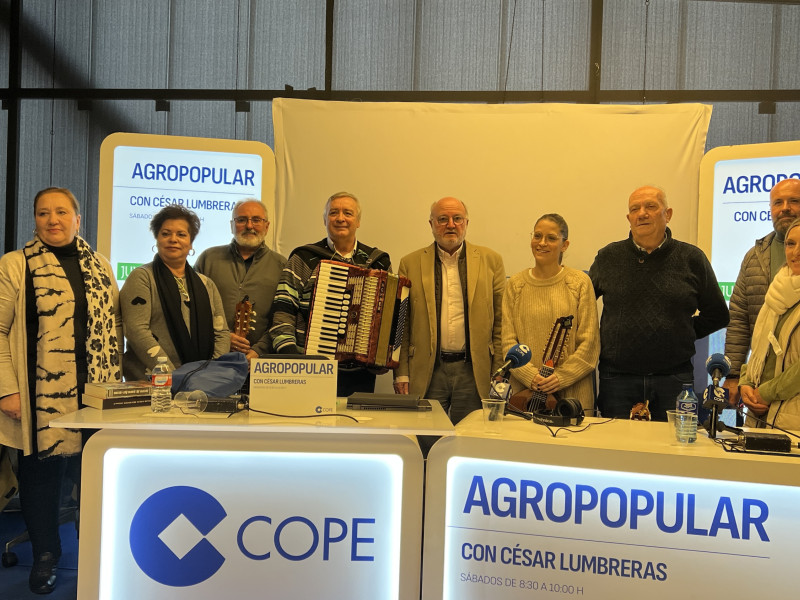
x=517, y=356
x=718, y=366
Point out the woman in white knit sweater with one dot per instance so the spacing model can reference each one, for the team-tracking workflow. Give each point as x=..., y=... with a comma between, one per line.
x=535, y=298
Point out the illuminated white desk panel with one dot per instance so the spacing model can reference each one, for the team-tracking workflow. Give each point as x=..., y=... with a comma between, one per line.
x=252, y=506
x=616, y=511
x=376, y=422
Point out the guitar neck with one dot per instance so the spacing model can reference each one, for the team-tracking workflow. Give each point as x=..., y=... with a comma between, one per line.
x=244, y=318
x=539, y=399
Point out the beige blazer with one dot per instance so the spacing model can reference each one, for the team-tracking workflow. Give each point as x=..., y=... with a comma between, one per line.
x=486, y=280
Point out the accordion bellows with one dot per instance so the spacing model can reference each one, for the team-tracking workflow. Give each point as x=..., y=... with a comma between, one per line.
x=357, y=315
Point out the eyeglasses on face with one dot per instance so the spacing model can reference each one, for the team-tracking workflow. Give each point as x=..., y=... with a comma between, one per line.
x=443, y=220
x=549, y=238
x=253, y=220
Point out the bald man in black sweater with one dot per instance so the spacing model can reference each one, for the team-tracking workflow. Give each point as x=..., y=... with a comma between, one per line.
x=659, y=296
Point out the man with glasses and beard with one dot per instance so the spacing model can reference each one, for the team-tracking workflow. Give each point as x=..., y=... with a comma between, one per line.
x=759, y=267
x=246, y=267
x=452, y=343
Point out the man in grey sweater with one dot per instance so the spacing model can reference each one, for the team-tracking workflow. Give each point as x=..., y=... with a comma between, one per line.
x=246, y=267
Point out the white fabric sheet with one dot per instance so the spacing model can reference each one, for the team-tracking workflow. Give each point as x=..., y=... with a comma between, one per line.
x=509, y=163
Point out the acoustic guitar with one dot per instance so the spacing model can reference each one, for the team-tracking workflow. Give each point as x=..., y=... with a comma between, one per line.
x=535, y=400
x=244, y=317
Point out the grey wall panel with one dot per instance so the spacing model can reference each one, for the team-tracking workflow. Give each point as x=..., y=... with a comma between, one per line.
x=785, y=122
x=203, y=44
x=130, y=43
x=373, y=45
x=38, y=31
x=524, y=32
x=727, y=45
x=258, y=124
x=243, y=31
x=737, y=123
x=788, y=49
x=287, y=41
x=56, y=43
x=458, y=45
x=202, y=119
x=69, y=159
x=566, y=44
x=634, y=36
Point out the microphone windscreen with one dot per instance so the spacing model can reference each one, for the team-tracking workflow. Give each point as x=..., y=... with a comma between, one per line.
x=719, y=362
x=518, y=355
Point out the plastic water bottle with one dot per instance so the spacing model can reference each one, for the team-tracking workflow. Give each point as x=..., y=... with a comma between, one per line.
x=161, y=394
x=687, y=403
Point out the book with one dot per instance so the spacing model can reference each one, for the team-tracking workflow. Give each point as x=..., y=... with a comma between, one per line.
x=117, y=389
x=103, y=403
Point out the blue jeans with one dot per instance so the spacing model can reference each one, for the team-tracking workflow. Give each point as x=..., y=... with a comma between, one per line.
x=620, y=391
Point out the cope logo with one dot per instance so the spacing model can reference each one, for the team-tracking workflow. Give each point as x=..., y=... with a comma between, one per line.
x=156, y=514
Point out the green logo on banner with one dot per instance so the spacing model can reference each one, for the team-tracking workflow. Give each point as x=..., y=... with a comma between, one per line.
x=727, y=289
x=124, y=269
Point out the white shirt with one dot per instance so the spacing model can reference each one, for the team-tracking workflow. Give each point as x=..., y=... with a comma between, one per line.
x=349, y=255
x=451, y=332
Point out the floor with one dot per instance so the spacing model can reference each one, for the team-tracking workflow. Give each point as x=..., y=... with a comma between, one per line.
x=14, y=580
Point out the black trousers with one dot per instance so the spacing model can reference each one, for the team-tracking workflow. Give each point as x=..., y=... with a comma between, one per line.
x=40, y=492
x=41, y=484
x=350, y=381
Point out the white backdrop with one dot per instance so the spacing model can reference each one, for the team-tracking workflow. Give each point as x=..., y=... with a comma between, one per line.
x=509, y=163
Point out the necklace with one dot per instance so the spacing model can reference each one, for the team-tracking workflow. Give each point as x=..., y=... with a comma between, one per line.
x=182, y=288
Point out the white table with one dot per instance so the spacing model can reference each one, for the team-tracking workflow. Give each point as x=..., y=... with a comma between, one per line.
x=617, y=510
x=183, y=506
x=376, y=422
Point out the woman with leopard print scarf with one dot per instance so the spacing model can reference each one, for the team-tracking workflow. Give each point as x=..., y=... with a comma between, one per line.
x=60, y=327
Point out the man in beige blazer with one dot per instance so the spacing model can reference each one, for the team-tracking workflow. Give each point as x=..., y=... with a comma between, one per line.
x=452, y=343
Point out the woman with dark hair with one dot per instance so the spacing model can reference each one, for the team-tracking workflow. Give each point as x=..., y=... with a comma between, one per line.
x=535, y=298
x=60, y=327
x=168, y=309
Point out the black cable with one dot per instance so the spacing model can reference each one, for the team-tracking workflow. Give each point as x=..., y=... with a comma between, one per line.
x=197, y=413
x=272, y=414
x=568, y=430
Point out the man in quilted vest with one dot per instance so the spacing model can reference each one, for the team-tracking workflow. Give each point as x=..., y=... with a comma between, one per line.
x=758, y=269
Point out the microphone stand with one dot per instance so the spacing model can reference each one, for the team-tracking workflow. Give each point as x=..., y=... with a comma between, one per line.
x=714, y=399
x=501, y=390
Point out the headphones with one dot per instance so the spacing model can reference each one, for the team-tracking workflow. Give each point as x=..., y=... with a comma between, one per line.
x=567, y=412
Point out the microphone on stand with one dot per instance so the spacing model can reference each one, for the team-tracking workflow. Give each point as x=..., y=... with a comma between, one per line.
x=715, y=398
x=517, y=356
x=718, y=366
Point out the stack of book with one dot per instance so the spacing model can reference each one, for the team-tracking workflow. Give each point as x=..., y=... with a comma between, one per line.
x=117, y=394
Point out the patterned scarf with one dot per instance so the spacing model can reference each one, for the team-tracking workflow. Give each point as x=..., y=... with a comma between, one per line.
x=783, y=294
x=56, y=378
